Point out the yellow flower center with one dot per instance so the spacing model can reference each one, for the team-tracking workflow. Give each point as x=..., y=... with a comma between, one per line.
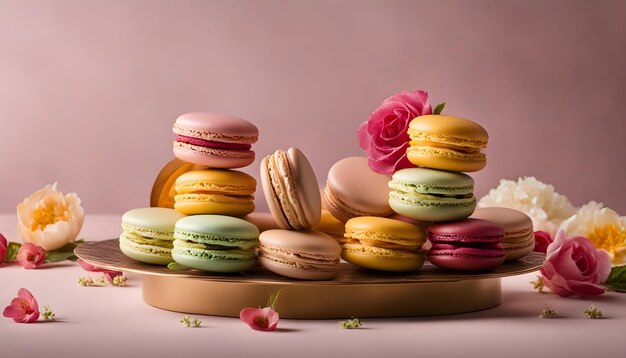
x=48, y=213
x=608, y=237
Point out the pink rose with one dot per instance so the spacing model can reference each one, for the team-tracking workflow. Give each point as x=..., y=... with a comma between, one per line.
x=23, y=308
x=542, y=240
x=260, y=319
x=384, y=136
x=31, y=256
x=3, y=248
x=574, y=266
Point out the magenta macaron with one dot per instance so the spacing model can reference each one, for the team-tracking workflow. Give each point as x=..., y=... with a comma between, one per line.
x=468, y=245
x=214, y=140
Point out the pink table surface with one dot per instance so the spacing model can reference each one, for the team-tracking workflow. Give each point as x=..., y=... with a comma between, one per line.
x=112, y=321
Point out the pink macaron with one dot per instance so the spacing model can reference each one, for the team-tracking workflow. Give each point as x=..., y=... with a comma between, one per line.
x=304, y=254
x=353, y=189
x=214, y=140
x=468, y=245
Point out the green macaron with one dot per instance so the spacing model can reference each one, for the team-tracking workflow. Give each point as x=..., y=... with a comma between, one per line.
x=432, y=195
x=215, y=243
x=148, y=234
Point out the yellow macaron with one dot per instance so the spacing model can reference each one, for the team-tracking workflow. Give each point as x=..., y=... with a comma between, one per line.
x=215, y=191
x=383, y=244
x=447, y=143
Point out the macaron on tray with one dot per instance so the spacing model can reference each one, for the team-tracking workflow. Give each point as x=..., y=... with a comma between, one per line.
x=415, y=223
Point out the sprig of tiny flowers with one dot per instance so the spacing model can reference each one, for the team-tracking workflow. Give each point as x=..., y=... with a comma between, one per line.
x=352, y=323
x=538, y=284
x=548, y=312
x=48, y=313
x=189, y=323
x=593, y=312
x=88, y=281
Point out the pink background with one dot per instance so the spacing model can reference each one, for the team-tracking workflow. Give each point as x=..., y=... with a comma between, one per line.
x=89, y=89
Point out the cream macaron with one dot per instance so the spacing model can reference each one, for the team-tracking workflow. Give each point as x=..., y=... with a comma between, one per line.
x=519, y=237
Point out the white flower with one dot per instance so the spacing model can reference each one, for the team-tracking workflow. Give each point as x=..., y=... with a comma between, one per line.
x=603, y=226
x=49, y=219
x=538, y=200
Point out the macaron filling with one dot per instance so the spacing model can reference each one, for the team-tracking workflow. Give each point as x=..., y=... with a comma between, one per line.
x=464, y=191
x=212, y=144
x=206, y=251
x=281, y=180
x=211, y=242
x=434, y=200
x=141, y=240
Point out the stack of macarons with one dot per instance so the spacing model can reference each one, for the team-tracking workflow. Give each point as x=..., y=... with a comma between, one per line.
x=356, y=207
x=214, y=238
x=204, y=231
x=220, y=143
x=292, y=194
x=437, y=190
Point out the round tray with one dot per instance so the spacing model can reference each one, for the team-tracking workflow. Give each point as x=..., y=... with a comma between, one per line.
x=354, y=292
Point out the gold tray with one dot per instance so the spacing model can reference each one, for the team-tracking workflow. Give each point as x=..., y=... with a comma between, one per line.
x=354, y=292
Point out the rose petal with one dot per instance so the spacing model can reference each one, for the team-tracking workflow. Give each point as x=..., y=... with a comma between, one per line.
x=260, y=319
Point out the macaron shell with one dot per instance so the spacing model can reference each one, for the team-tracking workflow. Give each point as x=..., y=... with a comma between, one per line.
x=217, y=127
x=465, y=263
x=213, y=158
x=446, y=159
x=307, y=186
x=353, y=189
x=211, y=204
x=217, y=225
x=230, y=182
x=146, y=253
x=302, y=273
x=160, y=220
x=448, y=129
x=385, y=230
x=212, y=261
x=432, y=181
x=469, y=230
x=431, y=209
x=381, y=259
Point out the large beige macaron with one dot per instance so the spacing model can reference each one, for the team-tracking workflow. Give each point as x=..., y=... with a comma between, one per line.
x=519, y=237
x=291, y=189
x=447, y=143
x=306, y=255
x=353, y=189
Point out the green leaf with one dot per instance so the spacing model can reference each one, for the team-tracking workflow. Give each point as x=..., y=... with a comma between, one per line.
x=439, y=108
x=56, y=256
x=63, y=253
x=617, y=279
x=12, y=250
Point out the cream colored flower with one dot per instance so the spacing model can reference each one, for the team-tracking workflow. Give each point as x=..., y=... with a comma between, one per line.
x=49, y=219
x=538, y=200
x=603, y=226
